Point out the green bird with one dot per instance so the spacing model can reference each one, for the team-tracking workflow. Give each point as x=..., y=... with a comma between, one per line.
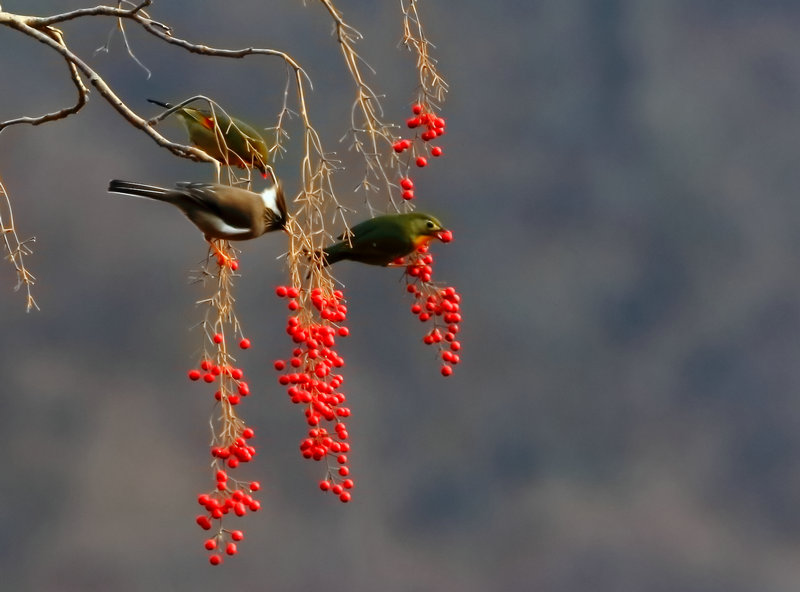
x=227, y=139
x=383, y=239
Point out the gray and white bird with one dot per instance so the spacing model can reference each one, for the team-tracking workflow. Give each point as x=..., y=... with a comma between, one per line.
x=219, y=211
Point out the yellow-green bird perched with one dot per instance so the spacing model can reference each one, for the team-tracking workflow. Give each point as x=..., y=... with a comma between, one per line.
x=383, y=239
x=226, y=139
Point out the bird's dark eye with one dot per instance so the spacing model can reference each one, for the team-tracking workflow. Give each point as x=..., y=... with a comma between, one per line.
x=429, y=224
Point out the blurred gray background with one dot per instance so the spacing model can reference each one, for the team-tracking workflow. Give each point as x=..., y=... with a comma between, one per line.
x=621, y=177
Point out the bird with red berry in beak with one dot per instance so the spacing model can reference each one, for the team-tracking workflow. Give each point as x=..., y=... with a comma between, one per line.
x=384, y=239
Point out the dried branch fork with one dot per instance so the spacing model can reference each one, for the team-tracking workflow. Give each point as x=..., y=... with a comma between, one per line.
x=16, y=249
x=41, y=29
x=365, y=115
x=432, y=87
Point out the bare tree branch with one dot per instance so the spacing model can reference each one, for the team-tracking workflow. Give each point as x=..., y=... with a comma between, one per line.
x=16, y=249
x=83, y=93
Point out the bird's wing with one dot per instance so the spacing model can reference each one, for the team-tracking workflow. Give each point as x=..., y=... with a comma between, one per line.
x=198, y=115
x=237, y=215
x=384, y=236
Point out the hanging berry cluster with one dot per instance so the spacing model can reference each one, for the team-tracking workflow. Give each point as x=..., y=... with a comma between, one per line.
x=434, y=304
x=311, y=382
x=230, y=435
x=434, y=127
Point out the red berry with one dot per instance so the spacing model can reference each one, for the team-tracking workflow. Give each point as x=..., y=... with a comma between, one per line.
x=408, y=194
x=210, y=544
x=231, y=549
x=324, y=485
x=348, y=483
x=237, y=535
x=255, y=486
x=416, y=109
x=293, y=305
x=194, y=374
x=413, y=122
x=292, y=292
x=422, y=161
x=447, y=370
x=217, y=338
x=244, y=389
x=248, y=433
x=204, y=522
x=436, y=151
x=208, y=377
x=406, y=183
x=345, y=497
x=215, y=559
x=244, y=343
x=280, y=291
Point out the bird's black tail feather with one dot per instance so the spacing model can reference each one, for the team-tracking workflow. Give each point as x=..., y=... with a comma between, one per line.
x=137, y=189
x=160, y=103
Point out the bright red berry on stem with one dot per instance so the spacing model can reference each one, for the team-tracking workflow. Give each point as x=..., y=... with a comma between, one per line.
x=217, y=338
x=194, y=375
x=436, y=151
x=421, y=161
x=237, y=535
x=406, y=183
x=245, y=343
x=215, y=560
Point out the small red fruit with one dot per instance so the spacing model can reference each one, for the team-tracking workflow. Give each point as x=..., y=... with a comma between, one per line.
x=194, y=374
x=436, y=151
x=217, y=338
x=422, y=161
x=245, y=343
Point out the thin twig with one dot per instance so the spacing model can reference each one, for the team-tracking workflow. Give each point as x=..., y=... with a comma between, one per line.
x=17, y=250
x=83, y=92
